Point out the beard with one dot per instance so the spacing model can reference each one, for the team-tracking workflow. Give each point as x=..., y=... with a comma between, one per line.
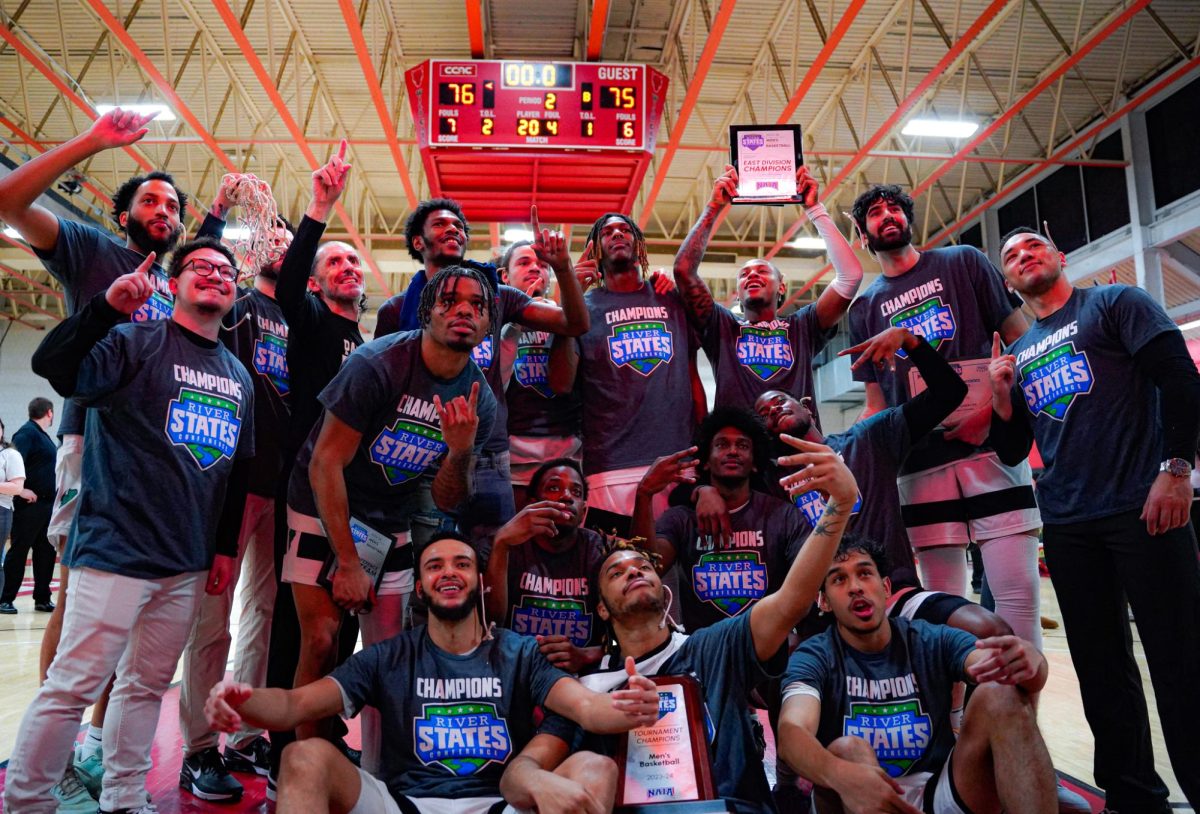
x=271, y=271
x=458, y=613
x=140, y=235
x=879, y=244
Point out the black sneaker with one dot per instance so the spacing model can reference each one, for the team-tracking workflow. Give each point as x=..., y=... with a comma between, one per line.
x=204, y=775
x=353, y=755
x=254, y=759
x=44, y=607
x=7, y=608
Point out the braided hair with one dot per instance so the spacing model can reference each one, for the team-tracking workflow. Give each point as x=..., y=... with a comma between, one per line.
x=597, y=252
x=434, y=288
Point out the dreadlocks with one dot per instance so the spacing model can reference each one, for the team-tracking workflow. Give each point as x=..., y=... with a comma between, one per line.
x=434, y=289
x=597, y=252
x=612, y=544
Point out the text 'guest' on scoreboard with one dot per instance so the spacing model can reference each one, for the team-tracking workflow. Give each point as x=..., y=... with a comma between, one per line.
x=503, y=103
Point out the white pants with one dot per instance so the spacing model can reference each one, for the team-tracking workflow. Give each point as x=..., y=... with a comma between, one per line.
x=207, y=649
x=68, y=474
x=135, y=627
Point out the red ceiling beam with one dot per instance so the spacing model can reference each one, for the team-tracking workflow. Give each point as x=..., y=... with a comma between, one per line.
x=66, y=90
x=1082, y=137
x=45, y=289
x=41, y=148
x=30, y=306
x=293, y=127
x=474, y=26
x=596, y=29
x=17, y=243
x=1084, y=49
x=720, y=22
x=385, y=117
x=918, y=93
x=164, y=86
x=818, y=64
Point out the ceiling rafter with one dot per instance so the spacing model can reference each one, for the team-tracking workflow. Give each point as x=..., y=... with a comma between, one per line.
x=234, y=27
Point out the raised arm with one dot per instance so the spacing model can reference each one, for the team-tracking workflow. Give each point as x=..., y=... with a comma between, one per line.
x=945, y=389
x=328, y=182
x=775, y=614
x=571, y=318
x=847, y=269
x=20, y=188
x=459, y=422
x=692, y=288
x=535, y=520
x=664, y=473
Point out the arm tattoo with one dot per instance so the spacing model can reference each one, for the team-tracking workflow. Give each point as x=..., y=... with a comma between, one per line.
x=831, y=521
x=692, y=288
x=452, y=484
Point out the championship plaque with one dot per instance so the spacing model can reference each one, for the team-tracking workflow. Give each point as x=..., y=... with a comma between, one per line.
x=974, y=373
x=766, y=158
x=667, y=764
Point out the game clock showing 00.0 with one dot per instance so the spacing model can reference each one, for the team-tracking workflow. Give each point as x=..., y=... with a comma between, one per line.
x=529, y=104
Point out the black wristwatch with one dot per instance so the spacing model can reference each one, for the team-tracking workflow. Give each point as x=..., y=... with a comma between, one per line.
x=1176, y=467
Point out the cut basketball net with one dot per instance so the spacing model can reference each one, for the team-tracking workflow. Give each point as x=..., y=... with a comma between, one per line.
x=258, y=218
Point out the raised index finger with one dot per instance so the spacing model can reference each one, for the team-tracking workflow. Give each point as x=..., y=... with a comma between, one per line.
x=342, y=150
x=537, y=227
x=996, y=345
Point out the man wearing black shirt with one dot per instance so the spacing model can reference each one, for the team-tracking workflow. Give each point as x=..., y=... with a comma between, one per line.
x=318, y=291
x=32, y=508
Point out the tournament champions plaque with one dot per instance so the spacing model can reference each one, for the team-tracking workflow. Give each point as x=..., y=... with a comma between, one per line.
x=666, y=766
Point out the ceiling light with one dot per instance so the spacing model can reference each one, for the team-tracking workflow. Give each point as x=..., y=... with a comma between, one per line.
x=809, y=244
x=235, y=233
x=13, y=233
x=513, y=235
x=164, y=113
x=1187, y=326
x=944, y=128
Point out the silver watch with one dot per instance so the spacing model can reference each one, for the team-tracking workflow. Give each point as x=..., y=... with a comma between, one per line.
x=1176, y=467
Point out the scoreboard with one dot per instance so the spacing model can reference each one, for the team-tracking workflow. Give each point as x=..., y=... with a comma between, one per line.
x=575, y=138
x=501, y=103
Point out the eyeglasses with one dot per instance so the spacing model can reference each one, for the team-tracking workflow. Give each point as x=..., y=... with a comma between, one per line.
x=205, y=268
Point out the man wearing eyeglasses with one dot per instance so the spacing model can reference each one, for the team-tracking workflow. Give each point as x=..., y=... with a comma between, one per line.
x=169, y=409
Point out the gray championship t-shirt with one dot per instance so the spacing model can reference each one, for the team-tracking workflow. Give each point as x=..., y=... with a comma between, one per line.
x=1095, y=413
x=723, y=659
x=750, y=359
x=634, y=379
x=534, y=410
x=548, y=592
x=510, y=302
x=954, y=298
x=721, y=582
x=86, y=260
x=897, y=700
x=167, y=417
x=453, y=722
x=385, y=392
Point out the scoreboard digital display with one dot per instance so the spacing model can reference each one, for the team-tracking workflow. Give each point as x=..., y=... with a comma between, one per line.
x=507, y=104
